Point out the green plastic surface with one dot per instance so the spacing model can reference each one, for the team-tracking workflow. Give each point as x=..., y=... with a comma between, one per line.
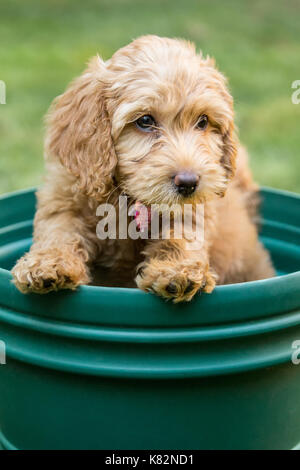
x=115, y=368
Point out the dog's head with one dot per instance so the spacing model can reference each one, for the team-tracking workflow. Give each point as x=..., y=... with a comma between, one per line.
x=156, y=119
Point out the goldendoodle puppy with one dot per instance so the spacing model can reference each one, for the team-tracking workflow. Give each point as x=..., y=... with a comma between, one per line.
x=154, y=123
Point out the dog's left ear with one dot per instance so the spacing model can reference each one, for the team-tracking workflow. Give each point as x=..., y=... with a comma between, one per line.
x=230, y=140
x=79, y=132
x=230, y=146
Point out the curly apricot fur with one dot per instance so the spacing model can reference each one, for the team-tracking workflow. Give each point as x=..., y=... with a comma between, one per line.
x=94, y=153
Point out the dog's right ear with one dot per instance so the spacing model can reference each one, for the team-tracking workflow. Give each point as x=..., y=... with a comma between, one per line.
x=79, y=132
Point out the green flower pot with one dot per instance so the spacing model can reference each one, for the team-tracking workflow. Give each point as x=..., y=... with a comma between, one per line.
x=114, y=368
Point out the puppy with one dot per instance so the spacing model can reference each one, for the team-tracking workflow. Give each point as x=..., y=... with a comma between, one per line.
x=155, y=122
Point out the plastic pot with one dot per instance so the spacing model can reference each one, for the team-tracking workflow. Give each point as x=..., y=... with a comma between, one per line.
x=115, y=368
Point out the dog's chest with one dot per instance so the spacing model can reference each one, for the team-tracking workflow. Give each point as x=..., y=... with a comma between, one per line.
x=120, y=254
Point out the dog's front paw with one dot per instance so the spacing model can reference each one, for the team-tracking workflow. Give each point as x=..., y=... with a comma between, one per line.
x=178, y=281
x=44, y=270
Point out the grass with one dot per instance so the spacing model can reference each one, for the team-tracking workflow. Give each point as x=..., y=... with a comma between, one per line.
x=44, y=44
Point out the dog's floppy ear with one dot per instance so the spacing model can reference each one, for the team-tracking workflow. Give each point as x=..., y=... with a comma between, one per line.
x=230, y=144
x=229, y=138
x=79, y=132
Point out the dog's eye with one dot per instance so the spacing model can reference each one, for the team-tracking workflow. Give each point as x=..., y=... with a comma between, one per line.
x=203, y=122
x=146, y=123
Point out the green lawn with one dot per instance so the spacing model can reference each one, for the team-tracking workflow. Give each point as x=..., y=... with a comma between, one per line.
x=43, y=44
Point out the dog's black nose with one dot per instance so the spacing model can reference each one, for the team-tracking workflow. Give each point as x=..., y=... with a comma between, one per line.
x=186, y=183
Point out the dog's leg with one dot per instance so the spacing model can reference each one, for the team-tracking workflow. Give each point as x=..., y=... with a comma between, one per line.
x=59, y=256
x=175, y=272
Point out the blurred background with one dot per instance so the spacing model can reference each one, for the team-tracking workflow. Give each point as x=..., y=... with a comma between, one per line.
x=44, y=44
